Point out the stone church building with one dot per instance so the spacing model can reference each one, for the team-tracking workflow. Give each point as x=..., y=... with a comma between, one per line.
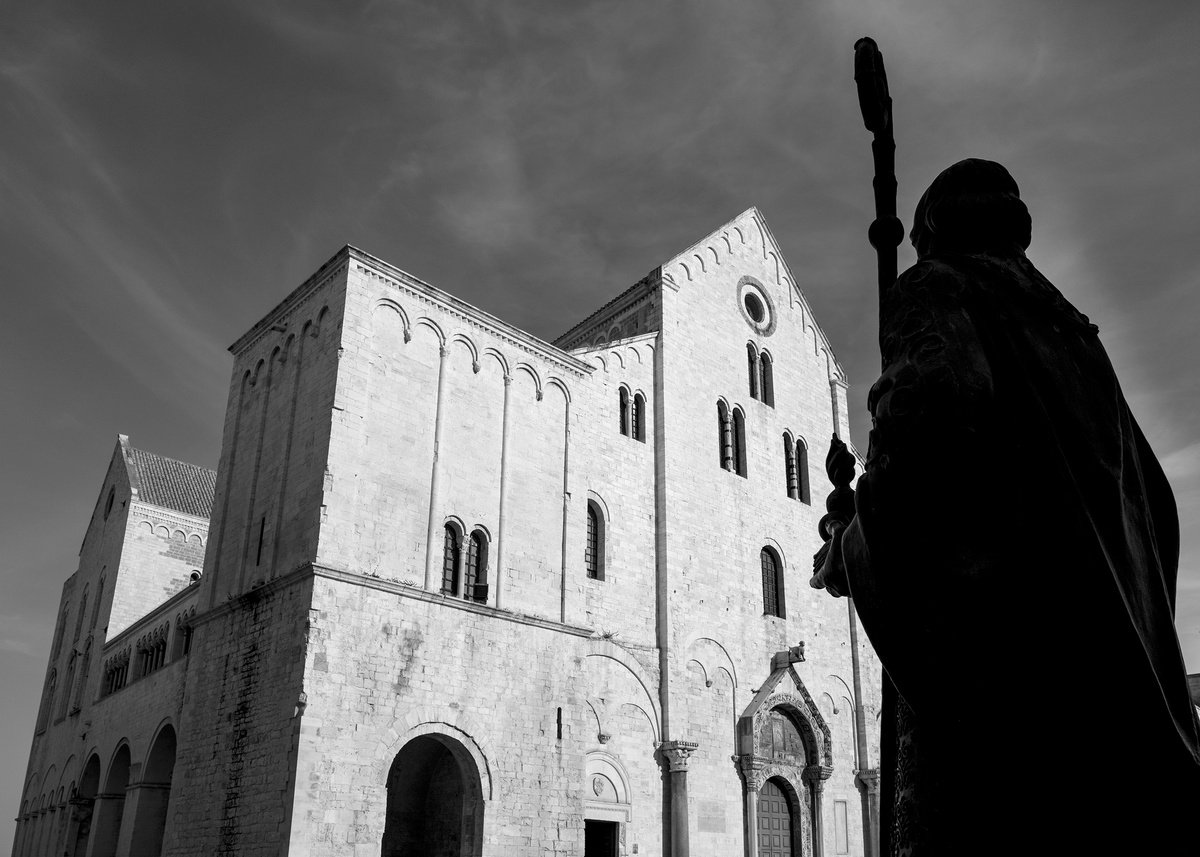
x=456, y=590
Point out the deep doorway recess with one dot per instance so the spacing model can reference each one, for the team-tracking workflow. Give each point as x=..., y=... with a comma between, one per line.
x=774, y=822
x=434, y=801
x=600, y=838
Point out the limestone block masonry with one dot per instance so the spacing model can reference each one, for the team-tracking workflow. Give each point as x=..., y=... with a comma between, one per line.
x=461, y=591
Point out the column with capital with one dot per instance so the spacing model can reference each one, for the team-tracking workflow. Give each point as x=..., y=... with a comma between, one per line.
x=752, y=773
x=676, y=755
x=868, y=784
x=816, y=775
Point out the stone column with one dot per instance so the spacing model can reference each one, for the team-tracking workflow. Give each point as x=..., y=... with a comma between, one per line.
x=752, y=773
x=147, y=807
x=501, y=531
x=676, y=755
x=815, y=776
x=868, y=784
x=108, y=812
x=433, y=543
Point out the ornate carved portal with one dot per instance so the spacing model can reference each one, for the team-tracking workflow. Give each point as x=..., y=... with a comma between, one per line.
x=784, y=757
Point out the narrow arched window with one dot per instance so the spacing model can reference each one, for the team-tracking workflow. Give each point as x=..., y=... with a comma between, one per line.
x=477, y=586
x=99, y=598
x=593, y=553
x=772, y=583
x=739, y=441
x=752, y=365
x=451, y=552
x=82, y=610
x=724, y=436
x=789, y=463
x=624, y=411
x=767, y=387
x=62, y=630
x=802, y=471
x=47, y=701
x=639, y=417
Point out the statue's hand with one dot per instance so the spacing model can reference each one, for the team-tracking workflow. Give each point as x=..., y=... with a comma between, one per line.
x=828, y=572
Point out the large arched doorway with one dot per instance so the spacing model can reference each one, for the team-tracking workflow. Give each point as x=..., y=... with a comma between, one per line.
x=153, y=794
x=776, y=821
x=82, y=805
x=110, y=806
x=434, y=801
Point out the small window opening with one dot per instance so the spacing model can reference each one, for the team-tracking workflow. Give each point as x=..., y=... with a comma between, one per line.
x=724, y=437
x=451, y=551
x=767, y=387
x=593, y=555
x=639, y=417
x=739, y=442
x=752, y=366
x=558, y=721
x=262, y=529
x=754, y=307
x=624, y=411
x=802, y=472
x=772, y=584
x=108, y=504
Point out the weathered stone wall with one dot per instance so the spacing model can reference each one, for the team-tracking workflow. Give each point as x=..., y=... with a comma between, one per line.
x=240, y=725
x=267, y=506
x=388, y=663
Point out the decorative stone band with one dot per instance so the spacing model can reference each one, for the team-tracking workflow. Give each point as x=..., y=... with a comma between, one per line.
x=677, y=754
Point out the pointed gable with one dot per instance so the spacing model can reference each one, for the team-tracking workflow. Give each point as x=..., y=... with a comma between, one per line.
x=748, y=231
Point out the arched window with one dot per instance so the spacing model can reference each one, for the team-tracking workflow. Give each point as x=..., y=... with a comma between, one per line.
x=739, y=441
x=624, y=411
x=752, y=365
x=639, y=417
x=82, y=611
x=99, y=598
x=108, y=504
x=81, y=685
x=477, y=585
x=724, y=437
x=62, y=630
x=802, y=471
x=789, y=463
x=47, y=701
x=67, y=686
x=593, y=553
x=767, y=388
x=772, y=582
x=451, y=553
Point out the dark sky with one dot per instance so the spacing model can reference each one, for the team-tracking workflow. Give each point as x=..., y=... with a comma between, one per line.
x=170, y=171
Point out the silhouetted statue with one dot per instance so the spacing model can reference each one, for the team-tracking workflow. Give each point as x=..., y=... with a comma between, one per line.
x=1012, y=553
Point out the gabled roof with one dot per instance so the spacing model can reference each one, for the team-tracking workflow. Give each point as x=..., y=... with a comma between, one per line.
x=171, y=484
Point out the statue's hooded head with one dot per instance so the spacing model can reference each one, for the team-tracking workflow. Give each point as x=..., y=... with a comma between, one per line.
x=974, y=206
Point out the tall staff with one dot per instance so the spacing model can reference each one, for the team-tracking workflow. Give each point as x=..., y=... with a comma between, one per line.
x=887, y=231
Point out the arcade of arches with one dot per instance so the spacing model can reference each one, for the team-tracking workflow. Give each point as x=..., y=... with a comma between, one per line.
x=122, y=812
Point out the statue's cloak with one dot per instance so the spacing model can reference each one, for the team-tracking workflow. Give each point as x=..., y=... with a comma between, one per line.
x=1015, y=548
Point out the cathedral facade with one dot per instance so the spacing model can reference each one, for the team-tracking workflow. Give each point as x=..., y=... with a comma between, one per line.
x=455, y=590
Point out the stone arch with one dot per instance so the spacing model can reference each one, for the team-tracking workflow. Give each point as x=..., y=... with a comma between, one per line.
x=435, y=327
x=498, y=357
x=602, y=648
x=153, y=793
x=533, y=374
x=555, y=381
x=110, y=803
x=607, y=795
x=438, y=786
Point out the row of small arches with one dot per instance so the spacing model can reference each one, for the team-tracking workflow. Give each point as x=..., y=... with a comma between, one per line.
x=507, y=367
x=164, y=532
x=283, y=352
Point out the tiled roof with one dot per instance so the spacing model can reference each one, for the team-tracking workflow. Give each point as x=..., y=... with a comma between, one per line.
x=172, y=484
